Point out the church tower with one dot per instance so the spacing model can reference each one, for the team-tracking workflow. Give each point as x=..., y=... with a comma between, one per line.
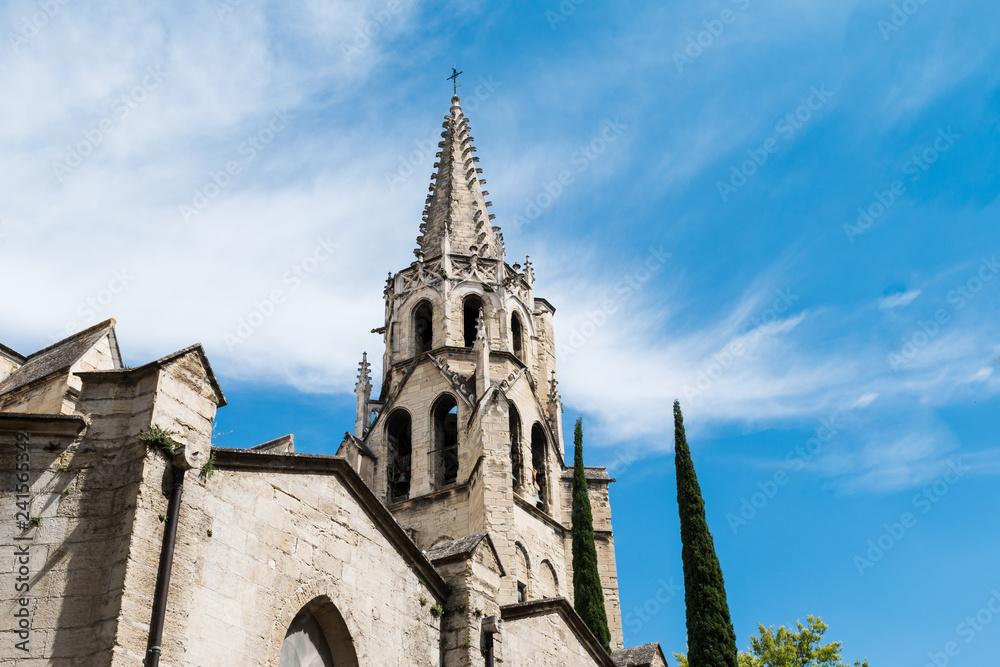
x=466, y=438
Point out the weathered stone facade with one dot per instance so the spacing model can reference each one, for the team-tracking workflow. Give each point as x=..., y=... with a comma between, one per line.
x=438, y=535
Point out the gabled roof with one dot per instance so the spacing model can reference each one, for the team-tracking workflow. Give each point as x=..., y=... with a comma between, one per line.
x=247, y=460
x=455, y=217
x=13, y=354
x=362, y=447
x=563, y=608
x=61, y=356
x=637, y=656
x=463, y=548
x=220, y=398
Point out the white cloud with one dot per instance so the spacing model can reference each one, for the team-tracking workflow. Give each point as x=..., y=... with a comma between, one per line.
x=898, y=300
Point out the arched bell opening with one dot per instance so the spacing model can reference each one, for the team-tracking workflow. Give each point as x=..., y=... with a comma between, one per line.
x=445, y=417
x=471, y=307
x=539, y=481
x=399, y=455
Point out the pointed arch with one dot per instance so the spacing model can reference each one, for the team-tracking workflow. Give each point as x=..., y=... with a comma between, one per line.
x=539, y=466
x=548, y=580
x=423, y=327
x=517, y=336
x=318, y=637
x=471, y=306
x=516, y=457
x=445, y=447
x=522, y=571
x=400, y=449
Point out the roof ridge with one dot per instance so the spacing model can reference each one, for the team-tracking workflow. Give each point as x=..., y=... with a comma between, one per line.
x=106, y=324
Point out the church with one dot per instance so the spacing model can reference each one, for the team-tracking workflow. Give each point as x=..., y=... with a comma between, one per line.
x=437, y=535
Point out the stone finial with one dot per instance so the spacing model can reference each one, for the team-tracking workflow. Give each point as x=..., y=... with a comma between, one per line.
x=529, y=272
x=553, y=388
x=363, y=389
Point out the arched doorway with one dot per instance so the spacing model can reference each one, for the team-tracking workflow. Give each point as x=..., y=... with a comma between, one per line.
x=318, y=637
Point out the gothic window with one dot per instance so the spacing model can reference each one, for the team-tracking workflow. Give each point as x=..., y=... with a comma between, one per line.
x=446, y=439
x=470, y=312
x=318, y=637
x=516, y=464
x=517, y=336
x=522, y=571
x=539, y=486
x=423, y=327
x=548, y=582
x=397, y=431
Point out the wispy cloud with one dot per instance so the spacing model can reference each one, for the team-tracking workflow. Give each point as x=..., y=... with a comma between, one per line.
x=899, y=300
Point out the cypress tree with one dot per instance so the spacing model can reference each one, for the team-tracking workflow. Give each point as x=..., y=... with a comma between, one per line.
x=588, y=594
x=710, y=635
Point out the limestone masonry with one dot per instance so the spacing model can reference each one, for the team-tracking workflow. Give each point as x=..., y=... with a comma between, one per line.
x=439, y=534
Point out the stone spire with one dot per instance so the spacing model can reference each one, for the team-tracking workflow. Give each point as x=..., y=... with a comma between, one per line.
x=363, y=389
x=456, y=215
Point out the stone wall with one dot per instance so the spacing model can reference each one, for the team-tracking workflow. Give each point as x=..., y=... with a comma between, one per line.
x=547, y=633
x=280, y=538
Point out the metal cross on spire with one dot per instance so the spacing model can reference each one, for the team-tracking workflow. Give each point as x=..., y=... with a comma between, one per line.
x=454, y=80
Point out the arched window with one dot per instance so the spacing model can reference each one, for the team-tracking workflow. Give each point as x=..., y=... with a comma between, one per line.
x=548, y=582
x=446, y=438
x=423, y=327
x=397, y=431
x=318, y=637
x=538, y=460
x=516, y=461
x=522, y=571
x=517, y=336
x=470, y=313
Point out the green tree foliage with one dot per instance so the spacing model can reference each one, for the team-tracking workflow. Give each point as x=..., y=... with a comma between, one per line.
x=588, y=594
x=711, y=639
x=790, y=648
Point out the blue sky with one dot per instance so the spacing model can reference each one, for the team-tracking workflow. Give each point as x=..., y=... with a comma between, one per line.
x=781, y=213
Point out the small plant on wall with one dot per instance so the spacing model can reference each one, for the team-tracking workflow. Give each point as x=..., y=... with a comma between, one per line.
x=208, y=468
x=159, y=438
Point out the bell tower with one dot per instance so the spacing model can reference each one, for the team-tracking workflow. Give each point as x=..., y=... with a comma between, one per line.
x=466, y=435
